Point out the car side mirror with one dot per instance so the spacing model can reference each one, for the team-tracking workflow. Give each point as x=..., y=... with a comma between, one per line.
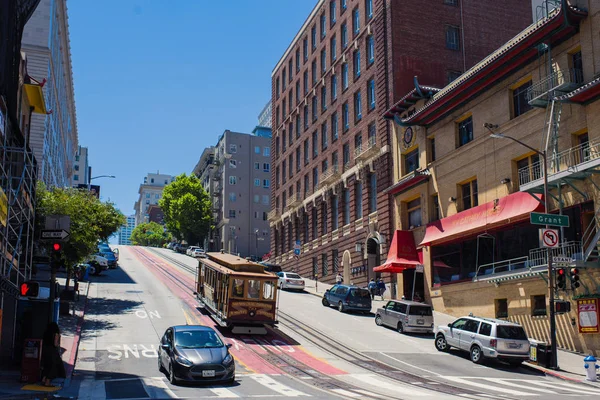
x=165, y=346
x=327, y=290
x=228, y=345
x=450, y=326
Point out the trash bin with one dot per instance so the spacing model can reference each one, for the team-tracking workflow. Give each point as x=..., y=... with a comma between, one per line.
x=540, y=353
x=533, y=351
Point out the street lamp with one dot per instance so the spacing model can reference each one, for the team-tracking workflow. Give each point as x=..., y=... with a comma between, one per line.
x=96, y=177
x=553, y=359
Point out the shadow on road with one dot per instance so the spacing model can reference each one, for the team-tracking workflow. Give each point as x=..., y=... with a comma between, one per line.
x=113, y=276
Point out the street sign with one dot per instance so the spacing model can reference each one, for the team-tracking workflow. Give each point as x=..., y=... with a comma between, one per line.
x=54, y=222
x=562, y=261
x=55, y=234
x=549, y=219
x=549, y=237
x=297, y=247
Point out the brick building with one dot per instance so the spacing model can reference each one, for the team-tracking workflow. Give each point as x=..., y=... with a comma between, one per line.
x=463, y=199
x=332, y=153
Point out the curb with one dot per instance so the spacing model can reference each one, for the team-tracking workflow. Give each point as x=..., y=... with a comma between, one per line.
x=558, y=375
x=76, y=339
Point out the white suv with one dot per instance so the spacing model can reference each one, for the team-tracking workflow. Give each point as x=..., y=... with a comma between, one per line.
x=485, y=338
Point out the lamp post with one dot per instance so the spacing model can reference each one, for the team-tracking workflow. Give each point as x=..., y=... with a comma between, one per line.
x=553, y=358
x=96, y=177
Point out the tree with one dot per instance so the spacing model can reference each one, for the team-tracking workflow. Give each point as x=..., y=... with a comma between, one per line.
x=187, y=209
x=149, y=234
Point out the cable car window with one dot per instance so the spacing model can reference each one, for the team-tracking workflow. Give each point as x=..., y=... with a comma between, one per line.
x=268, y=290
x=253, y=289
x=238, y=288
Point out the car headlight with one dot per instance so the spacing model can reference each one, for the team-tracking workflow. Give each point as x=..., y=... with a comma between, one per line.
x=228, y=359
x=183, y=361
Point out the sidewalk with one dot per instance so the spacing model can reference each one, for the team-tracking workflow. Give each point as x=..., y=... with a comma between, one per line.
x=70, y=328
x=570, y=364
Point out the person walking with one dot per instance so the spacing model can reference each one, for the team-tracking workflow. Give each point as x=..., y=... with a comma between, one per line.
x=52, y=363
x=372, y=288
x=381, y=287
x=339, y=279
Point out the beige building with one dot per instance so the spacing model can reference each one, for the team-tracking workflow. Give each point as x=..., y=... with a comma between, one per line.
x=466, y=197
x=150, y=193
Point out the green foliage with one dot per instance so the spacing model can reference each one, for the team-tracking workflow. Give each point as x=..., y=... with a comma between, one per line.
x=187, y=209
x=91, y=219
x=149, y=234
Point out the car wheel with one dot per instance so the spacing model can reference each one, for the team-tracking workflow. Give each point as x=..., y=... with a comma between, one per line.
x=341, y=307
x=325, y=302
x=515, y=363
x=441, y=344
x=231, y=380
x=378, y=320
x=400, y=328
x=172, y=377
x=92, y=270
x=476, y=355
x=160, y=366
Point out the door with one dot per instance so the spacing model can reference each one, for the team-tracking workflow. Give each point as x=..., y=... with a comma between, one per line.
x=164, y=354
x=467, y=336
x=330, y=295
x=456, y=329
x=387, y=313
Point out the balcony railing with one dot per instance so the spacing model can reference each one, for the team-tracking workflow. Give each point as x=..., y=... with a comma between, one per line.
x=273, y=215
x=294, y=201
x=556, y=81
x=539, y=256
x=502, y=266
x=346, y=166
x=331, y=175
x=563, y=161
x=366, y=151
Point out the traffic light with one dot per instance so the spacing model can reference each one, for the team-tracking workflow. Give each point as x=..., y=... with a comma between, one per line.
x=561, y=277
x=29, y=289
x=574, y=275
x=562, y=307
x=56, y=247
x=55, y=254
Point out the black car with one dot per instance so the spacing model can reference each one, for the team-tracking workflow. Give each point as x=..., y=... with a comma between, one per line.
x=195, y=353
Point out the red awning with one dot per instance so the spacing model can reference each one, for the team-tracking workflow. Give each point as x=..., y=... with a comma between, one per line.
x=403, y=254
x=510, y=209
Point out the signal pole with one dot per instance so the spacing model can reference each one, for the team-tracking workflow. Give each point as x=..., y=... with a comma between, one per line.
x=54, y=264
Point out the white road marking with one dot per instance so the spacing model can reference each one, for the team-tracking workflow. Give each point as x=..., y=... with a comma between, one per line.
x=345, y=393
x=373, y=380
x=157, y=388
x=525, y=384
x=410, y=365
x=224, y=393
x=367, y=393
x=280, y=388
x=486, y=386
x=583, y=389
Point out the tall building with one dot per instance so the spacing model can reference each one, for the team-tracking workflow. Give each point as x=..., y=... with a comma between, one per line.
x=332, y=155
x=265, y=116
x=124, y=233
x=150, y=193
x=82, y=171
x=237, y=173
x=53, y=136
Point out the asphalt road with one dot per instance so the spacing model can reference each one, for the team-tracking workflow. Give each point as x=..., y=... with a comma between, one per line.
x=316, y=351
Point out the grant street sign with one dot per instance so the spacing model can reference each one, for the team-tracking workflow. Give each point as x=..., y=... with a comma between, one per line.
x=549, y=219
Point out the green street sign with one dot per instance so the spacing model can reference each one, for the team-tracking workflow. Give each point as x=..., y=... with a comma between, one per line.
x=549, y=219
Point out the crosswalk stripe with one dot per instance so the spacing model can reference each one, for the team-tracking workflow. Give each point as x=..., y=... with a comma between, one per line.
x=224, y=393
x=345, y=393
x=486, y=386
x=280, y=388
x=567, y=386
x=373, y=381
x=511, y=383
x=157, y=388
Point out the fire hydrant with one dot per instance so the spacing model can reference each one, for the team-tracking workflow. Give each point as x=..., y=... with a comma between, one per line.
x=590, y=368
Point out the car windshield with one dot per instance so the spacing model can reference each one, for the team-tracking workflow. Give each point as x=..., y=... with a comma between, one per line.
x=197, y=339
x=360, y=294
x=420, y=310
x=511, y=332
x=293, y=276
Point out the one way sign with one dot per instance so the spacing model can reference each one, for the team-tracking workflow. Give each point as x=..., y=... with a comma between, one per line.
x=55, y=234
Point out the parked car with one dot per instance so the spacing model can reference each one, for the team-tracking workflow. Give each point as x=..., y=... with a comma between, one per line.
x=195, y=353
x=199, y=253
x=190, y=250
x=97, y=263
x=485, y=338
x=347, y=298
x=290, y=280
x=182, y=249
x=111, y=258
x=406, y=316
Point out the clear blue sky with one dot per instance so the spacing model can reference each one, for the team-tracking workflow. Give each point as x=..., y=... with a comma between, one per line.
x=157, y=81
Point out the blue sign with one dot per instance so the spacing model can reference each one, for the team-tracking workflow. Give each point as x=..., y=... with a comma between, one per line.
x=297, y=247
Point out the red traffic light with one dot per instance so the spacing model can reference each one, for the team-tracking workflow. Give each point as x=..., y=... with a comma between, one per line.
x=56, y=246
x=574, y=271
x=561, y=271
x=29, y=289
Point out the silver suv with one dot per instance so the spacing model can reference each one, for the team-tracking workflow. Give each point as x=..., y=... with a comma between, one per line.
x=485, y=338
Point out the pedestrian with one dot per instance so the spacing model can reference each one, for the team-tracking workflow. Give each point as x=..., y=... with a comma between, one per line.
x=52, y=363
x=381, y=287
x=339, y=279
x=372, y=288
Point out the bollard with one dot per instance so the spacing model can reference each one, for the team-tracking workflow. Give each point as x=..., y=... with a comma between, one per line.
x=590, y=368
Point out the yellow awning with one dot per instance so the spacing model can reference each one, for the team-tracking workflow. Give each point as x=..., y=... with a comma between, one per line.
x=35, y=95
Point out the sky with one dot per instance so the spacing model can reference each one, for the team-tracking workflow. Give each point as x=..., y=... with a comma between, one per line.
x=157, y=81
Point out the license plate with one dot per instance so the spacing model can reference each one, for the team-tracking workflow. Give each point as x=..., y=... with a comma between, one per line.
x=208, y=373
x=514, y=345
x=420, y=322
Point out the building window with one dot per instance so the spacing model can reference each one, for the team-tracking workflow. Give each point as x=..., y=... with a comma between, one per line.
x=324, y=218
x=266, y=167
x=520, y=99
x=411, y=161
x=277, y=91
x=315, y=182
x=232, y=180
x=529, y=169
x=369, y=8
x=306, y=153
x=323, y=26
x=332, y=12
x=334, y=212
x=297, y=60
x=231, y=213
x=435, y=208
x=372, y=193
x=452, y=37
x=344, y=5
x=313, y=67
x=538, y=305
x=283, y=142
x=344, y=32
x=356, y=64
x=453, y=75
x=232, y=197
x=501, y=306
x=297, y=159
x=76, y=167
x=323, y=61
x=345, y=117
x=257, y=182
x=358, y=192
x=305, y=49
x=355, y=21
x=469, y=194
x=283, y=81
x=333, y=88
x=306, y=122
x=324, y=141
x=344, y=76
x=297, y=93
x=232, y=164
x=346, y=156
x=325, y=268
x=413, y=209
x=465, y=131
x=313, y=38
x=371, y=94
x=315, y=111
x=265, y=199
x=357, y=107
x=256, y=198
x=372, y=133
x=297, y=125
x=333, y=49
x=334, y=127
x=305, y=78
x=431, y=147
x=315, y=141
x=451, y=2
x=232, y=148
x=370, y=49
x=346, y=206
x=577, y=67
x=266, y=183
x=147, y=195
x=291, y=163
x=75, y=177
x=266, y=151
x=323, y=98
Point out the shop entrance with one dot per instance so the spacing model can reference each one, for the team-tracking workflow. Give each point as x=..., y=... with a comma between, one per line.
x=373, y=258
x=408, y=277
